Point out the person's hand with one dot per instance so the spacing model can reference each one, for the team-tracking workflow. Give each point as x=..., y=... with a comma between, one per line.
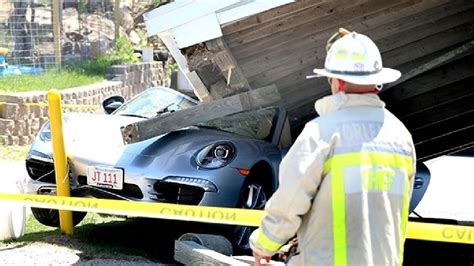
x=258, y=259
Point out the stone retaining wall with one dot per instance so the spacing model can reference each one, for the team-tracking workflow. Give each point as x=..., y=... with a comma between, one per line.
x=21, y=118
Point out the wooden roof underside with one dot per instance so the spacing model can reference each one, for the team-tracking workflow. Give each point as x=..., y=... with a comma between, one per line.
x=432, y=41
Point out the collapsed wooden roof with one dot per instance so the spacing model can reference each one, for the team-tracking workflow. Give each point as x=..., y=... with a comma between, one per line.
x=431, y=42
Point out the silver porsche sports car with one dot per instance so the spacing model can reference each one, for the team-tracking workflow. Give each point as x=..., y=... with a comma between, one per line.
x=231, y=161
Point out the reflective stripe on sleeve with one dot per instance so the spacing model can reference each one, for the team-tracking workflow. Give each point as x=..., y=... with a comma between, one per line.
x=403, y=225
x=266, y=242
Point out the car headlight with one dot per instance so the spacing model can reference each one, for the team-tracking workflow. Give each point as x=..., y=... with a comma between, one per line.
x=45, y=132
x=216, y=155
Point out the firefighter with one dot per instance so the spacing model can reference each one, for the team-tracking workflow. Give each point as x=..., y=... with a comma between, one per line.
x=346, y=183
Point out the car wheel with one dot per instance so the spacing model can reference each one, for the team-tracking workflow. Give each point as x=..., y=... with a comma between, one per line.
x=50, y=217
x=254, y=195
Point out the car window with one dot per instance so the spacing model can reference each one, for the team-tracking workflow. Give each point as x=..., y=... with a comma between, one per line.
x=257, y=124
x=153, y=102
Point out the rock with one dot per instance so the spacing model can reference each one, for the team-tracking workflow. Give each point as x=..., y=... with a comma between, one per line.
x=70, y=20
x=126, y=19
x=134, y=37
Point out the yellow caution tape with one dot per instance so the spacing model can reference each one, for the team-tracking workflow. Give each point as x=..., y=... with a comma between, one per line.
x=79, y=106
x=441, y=232
x=416, y=230
x=142, y=209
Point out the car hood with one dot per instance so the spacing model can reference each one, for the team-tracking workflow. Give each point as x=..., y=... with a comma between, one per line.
x=98, y=138
x=95, y=136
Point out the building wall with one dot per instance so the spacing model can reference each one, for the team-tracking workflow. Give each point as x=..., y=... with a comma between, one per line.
x=21, y=116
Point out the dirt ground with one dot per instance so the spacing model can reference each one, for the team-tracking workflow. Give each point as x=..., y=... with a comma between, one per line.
x=127, y=242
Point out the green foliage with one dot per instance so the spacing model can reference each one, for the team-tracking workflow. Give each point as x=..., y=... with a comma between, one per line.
x=78, y=74
x=156, y=3
x=123, y=51
x=13, y=153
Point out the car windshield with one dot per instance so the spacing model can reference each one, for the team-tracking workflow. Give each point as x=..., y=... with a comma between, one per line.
x=258, y=124
x=153, y=102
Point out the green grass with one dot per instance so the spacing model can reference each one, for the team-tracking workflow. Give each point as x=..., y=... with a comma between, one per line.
x=86, y=237
x=13, y=153
x=79, y=74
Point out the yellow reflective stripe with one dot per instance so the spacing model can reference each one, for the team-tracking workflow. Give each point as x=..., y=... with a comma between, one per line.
x=266, y=242
x=339, y=215
x=372, y=158
x=403, y=225
x=336, y=165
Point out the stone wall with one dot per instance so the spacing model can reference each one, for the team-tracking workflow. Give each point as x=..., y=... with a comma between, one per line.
x=23, y=114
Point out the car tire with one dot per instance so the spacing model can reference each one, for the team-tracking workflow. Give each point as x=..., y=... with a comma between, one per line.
x=254, y=195
x=50, y=217
x=12, y=216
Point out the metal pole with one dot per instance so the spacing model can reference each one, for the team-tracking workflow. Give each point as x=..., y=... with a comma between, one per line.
x=59, y=156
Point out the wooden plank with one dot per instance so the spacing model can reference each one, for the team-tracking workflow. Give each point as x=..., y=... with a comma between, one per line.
x=441, y=113
x=304, y=35
x=443, y=128
x=438, y=22
x=384, y=21
x=267, y=16
x=426, y=63
x=445, y=145
x=250, y=260
x=56, y=13
x=191, y=253
x=165, y=123
x=300, y=18
x=448, y=93
x=263, y=70
x=442, y=76
x=228, y=65
x=428, y=45
x=464, y=49
x=374, y=25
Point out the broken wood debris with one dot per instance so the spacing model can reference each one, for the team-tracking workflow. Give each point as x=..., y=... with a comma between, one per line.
x=165, y=123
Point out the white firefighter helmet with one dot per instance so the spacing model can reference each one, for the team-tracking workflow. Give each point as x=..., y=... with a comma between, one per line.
x=356, y=59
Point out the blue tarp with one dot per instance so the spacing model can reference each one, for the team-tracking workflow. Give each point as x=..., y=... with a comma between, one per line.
x=6, y=69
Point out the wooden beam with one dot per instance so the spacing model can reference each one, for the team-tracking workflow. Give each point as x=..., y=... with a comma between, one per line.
x=304, y=16
x=441, y=113
x=464, y=49
x=224, y=59
x=364, y=18
x=153, y=127
x=380, y=26
x=57, y=8
x=439, y=96
x=419, y=48
x=443, y=128
x=199, y=89
x=260, y=70
x=241, y=26
x=445, y=145
x=116, y=20
x=191, y=253
x=428, y=81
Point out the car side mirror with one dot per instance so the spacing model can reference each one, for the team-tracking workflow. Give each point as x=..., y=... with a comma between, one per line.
x=420, y=184
x=112, y=103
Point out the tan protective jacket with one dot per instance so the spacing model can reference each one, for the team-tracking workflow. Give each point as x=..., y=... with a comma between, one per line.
x=344, y=187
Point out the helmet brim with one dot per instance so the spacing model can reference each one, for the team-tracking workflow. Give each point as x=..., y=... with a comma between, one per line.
x=386, y=75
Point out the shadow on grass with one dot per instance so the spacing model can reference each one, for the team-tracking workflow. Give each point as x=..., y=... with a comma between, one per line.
x=152, y=239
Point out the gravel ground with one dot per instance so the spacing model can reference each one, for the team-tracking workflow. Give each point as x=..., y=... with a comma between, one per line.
x=50, y=254
x=56, y=249
x=63, y=250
